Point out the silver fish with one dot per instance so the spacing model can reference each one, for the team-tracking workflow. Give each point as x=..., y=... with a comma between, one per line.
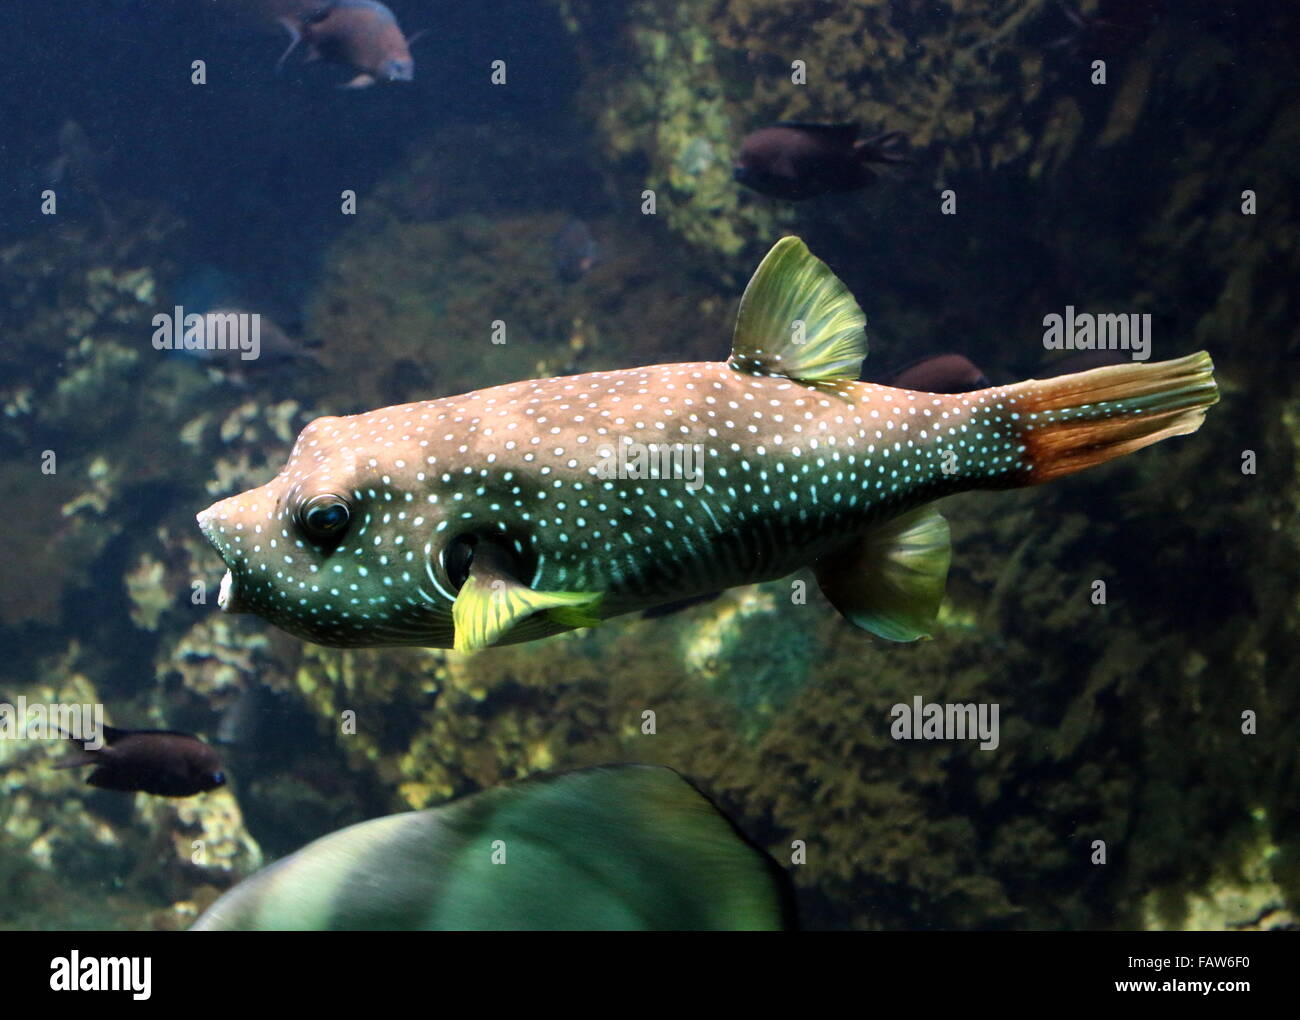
x=511, y=513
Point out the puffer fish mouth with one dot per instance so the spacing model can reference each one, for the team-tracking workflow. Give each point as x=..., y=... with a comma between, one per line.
x=228, y=595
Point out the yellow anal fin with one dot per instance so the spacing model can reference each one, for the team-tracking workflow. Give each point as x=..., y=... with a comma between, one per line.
x=892, y=582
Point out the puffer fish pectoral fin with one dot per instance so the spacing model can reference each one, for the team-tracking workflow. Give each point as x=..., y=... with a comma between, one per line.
x=490, y=602
x=485, y=610
x=892, y=583
x=797, y=319
x=362, y=81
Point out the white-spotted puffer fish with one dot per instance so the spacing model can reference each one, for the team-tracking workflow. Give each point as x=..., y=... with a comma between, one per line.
x=511, y=513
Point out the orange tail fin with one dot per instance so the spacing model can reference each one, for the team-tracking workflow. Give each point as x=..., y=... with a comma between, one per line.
x=1075, y=421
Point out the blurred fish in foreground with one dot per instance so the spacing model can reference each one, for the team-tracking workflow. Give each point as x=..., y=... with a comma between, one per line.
x=361, y=34
x=795, y=161
x=616, y=847
x=166, y=763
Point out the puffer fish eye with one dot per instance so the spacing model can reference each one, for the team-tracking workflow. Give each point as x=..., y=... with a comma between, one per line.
x=324, y=518
x=458, y=558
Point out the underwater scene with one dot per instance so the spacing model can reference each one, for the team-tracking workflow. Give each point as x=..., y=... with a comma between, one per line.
x=650, y=464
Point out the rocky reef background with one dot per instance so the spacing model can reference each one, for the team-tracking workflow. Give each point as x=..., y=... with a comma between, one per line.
x=1120, y=722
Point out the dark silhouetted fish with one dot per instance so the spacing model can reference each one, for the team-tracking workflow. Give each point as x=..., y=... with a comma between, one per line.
x=511, y=513
x=362, y=34
x=162, y=762
x=795, y=161
x=574, y=251
x=617, y=847
x=940, y=373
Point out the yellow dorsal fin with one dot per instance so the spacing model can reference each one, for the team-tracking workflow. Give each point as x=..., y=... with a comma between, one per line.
x=797, y=319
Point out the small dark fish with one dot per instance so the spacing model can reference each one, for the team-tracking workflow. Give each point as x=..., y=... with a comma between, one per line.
x=1084, y=361
x=940, y=373
x=162, y=762
x=575, y=251
x=795, y=161
x=362, y=34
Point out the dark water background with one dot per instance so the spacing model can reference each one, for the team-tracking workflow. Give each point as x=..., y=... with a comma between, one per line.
x=262, y=151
